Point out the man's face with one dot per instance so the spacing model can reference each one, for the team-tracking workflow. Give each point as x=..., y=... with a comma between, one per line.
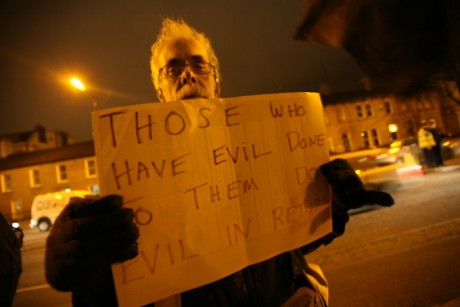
x=187, y=84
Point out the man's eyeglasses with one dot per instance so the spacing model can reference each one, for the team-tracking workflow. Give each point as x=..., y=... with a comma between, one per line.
x=175, y=70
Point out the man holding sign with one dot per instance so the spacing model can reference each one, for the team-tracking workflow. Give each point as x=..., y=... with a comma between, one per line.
x=92, y=234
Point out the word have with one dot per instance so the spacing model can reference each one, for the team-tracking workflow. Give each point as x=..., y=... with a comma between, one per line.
x=144, y=170
x=174, y=123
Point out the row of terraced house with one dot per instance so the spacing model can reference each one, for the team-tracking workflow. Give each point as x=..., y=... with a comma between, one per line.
x=41, y=161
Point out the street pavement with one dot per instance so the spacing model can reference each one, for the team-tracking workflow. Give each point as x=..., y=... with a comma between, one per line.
x=26, y=289
x=403, y=256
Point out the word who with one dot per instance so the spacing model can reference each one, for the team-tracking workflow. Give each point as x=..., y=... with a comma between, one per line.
x=293, y=110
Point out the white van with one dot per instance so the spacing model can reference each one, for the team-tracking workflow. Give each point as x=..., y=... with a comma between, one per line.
x=46, y=207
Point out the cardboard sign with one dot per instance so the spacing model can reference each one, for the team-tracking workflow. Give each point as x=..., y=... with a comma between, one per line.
x=216, y=185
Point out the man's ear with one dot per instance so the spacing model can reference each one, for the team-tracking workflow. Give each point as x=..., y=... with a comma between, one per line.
x=160, y=95
x=218, y=88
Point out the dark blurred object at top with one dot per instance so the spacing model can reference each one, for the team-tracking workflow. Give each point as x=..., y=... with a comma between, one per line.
x=401, y=43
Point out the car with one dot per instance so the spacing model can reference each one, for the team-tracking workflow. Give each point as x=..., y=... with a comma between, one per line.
x=46, y=207
x=400, y=151
x=374, y=175
x=407, y=151
x=451, y=147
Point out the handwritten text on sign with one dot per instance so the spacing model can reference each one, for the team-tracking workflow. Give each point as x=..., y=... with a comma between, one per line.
x=216, y=185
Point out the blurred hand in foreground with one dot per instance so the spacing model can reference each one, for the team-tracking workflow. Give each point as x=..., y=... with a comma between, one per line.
x=349, y=192
x=89, y=236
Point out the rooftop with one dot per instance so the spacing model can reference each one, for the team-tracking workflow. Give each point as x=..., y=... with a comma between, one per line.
x=68, y=152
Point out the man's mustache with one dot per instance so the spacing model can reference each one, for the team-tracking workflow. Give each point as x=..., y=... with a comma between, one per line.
x=190, y=92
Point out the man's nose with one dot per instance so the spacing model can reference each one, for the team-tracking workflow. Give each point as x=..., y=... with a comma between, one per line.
x=187, y=76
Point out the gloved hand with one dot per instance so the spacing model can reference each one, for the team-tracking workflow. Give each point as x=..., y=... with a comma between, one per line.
x=88, y=236
x=349, y=192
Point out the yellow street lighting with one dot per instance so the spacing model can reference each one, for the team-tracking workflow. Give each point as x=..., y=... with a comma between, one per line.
x=393, y=128
x=81, y=86
x=78, y=84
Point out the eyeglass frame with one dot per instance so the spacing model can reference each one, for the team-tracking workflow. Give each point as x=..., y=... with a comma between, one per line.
x=183, y=66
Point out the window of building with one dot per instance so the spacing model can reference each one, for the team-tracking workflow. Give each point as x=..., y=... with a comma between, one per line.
x=366, y=140
x=346, y=142
x=34, y=178
x=17, y=209
x=94, y=189
x=341, y=114
x=410, y=128
x=428, y=104
x=369, y=110
x=61, y=173
x=90, y=168
x=6, y=183
x=388, y=107
x=375, y=137
x=359, y=111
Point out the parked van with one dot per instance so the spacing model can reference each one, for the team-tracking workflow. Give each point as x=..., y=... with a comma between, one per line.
x=46, y=207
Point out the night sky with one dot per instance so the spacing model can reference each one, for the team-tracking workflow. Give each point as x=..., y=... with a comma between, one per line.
x=107, y=44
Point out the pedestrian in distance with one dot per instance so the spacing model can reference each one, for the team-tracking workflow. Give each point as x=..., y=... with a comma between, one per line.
x=437, y=148
x=426, y=142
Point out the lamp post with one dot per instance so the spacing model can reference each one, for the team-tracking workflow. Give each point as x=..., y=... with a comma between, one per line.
x=81, y=87
x=393, y=129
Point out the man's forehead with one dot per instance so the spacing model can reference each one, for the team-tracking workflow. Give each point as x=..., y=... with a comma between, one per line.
x=183, y=49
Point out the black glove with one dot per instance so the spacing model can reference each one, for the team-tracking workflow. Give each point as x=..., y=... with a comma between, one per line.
x=349, y=192
x=88, y=236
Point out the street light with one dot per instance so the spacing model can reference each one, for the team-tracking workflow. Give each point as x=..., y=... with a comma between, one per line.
x=78, y=84
x=393, y=129
x=81, y=86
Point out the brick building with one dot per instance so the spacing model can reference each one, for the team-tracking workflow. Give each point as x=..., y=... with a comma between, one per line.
x=370, y=119
x=25, y=175
x=42, y=161
x=36, y=139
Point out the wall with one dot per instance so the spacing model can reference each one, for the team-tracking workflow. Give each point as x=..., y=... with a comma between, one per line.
x=22, y=193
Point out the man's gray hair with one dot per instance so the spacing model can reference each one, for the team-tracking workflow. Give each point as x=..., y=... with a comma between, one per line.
x=174, y=29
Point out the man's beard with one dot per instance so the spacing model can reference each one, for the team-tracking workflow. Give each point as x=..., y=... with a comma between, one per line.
x=191, y=92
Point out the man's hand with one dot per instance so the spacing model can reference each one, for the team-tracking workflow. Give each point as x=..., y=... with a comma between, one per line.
x=88, y=236
x=349, y=192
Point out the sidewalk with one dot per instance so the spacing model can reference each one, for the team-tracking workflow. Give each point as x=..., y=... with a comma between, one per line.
x=455, y=161
x=449, y=165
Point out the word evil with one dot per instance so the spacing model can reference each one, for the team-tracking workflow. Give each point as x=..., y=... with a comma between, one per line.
x=141, y=170
x=176, y=252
